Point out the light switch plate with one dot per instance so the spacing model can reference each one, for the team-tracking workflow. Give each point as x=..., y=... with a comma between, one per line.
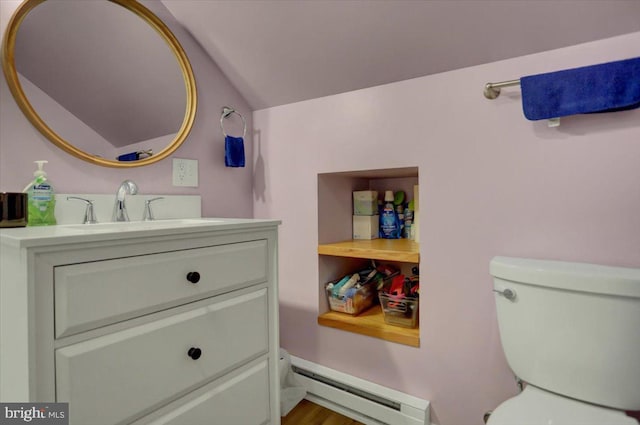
x=185, y=172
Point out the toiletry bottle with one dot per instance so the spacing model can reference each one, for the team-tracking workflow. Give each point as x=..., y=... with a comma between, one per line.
x=408, y=220
x=42, y=200
x=398, y=203
x=401, y=218
x=389, y=224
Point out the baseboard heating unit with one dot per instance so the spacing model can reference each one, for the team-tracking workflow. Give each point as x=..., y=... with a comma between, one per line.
x=364, y=401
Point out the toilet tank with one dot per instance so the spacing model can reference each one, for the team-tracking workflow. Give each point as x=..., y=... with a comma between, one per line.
x=571, y=328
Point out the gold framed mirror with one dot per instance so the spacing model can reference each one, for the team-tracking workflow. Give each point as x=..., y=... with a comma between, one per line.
x=49, y=77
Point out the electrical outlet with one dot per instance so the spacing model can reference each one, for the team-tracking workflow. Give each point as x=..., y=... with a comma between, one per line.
x=185, y=172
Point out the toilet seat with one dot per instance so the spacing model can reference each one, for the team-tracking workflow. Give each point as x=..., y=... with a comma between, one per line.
x=535, y=406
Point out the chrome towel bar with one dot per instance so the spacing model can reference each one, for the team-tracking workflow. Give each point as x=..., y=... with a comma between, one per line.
x=492, y=90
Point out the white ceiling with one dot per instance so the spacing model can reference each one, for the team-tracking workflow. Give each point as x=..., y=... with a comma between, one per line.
x=278, y=51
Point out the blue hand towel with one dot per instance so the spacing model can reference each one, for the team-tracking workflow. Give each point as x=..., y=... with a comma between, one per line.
x=233, y=151
x=607, y=87
x=133, y=156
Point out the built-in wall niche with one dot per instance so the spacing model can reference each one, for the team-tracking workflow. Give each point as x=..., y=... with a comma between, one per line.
x=339, y=254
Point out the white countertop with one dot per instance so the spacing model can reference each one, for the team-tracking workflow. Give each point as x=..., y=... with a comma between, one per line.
x=66, y=234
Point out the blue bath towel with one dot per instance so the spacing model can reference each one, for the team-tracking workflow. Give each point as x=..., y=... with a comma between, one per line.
x=607, y=87
x=233, y=151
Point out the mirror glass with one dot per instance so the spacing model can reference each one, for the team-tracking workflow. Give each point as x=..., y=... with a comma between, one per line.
x=103, y=78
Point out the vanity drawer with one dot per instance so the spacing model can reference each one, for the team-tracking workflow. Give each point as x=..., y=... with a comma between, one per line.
x=94, y=294
x=242, y=398
x=110, y=379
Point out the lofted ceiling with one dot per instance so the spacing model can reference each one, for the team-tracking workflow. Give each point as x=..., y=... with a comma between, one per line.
x=282, y=51
x=278, y=51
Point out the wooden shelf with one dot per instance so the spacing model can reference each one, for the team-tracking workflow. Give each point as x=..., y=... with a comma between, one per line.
x=402, y=250
x=371, y=323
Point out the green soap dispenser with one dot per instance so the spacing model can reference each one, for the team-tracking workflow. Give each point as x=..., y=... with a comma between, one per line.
x=42, y=200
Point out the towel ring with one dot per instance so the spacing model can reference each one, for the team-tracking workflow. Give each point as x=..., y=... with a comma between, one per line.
x=226, y=111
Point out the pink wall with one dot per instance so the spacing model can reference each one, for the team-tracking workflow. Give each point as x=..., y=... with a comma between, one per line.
x=226, y=192
x=491, y=183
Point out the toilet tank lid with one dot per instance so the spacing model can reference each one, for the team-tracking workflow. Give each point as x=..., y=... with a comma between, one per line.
x=583, y=277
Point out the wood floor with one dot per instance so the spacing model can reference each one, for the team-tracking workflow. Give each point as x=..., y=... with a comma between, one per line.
x=307, y=413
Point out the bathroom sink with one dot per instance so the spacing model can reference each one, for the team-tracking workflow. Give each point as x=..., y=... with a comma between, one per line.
x=142, y=225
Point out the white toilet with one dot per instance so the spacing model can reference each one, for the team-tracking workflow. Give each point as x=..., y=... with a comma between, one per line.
x=571, y=331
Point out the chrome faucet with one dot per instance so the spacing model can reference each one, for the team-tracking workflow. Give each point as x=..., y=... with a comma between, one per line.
x=120, y=209
x=148, y=214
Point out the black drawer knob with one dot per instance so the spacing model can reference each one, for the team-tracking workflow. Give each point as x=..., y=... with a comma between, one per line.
x=193, y=277
x=194, y=353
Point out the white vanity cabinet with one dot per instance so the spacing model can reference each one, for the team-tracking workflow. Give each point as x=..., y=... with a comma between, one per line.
x=166, y=326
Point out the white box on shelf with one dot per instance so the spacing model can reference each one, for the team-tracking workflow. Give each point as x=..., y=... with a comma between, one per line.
x=366, y=226
x=365, y=202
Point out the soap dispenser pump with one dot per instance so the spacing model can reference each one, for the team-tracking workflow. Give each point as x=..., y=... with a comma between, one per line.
x=42, y=200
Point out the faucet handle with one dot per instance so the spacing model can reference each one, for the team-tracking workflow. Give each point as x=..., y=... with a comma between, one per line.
x=148, y=214
x=89, y=212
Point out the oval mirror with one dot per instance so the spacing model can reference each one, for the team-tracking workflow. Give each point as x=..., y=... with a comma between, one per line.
x=100, y=79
